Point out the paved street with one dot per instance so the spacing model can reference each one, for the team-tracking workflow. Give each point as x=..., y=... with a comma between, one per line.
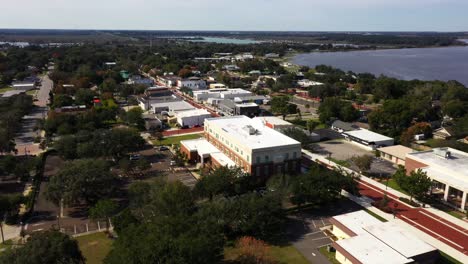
x=25, y=137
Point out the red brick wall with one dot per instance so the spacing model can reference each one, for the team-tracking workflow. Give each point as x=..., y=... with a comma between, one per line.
x=411, y=165
x=191, y=156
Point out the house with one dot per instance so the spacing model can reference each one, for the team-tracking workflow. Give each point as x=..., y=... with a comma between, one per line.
x=231, y=67
x=241, y=142
x=272, y=55
x=230, y=108
x=448, y=169
x=193, y=83
x=255, y=72
x=158, y=91
x=191, y=118
x=152, y=123
x=169, y=80
x=137, y=79
x=24, y=85
x=443, y=133
x=362, y=239
x=395, y=154
x=307, y=83
x=217, y=85
x=368, y=139
x=341, y=126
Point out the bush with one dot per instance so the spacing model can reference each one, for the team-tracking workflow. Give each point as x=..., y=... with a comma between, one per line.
x=408, y=201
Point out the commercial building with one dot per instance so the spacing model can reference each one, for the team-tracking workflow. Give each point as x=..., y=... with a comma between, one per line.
x=448, y=169
x=220, y=93
x=169, y=80
x=24, y=85
x=137, y=79
x=231, y=108
x=368, y=139
x=171, y=106
x=395, y=154
x=362, y=239
x=273, y=122
x=192, y=118
x=158, y=91
x=193, y=83
x=341, y=126
x=250, y=145
x=152, y=122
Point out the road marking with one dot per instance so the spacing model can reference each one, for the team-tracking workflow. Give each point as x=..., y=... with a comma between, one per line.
x=320, y=238
x=428, y=215
x=37, y=230
x=313, y=222
x=323, y=223
x=438, y=235
x=37, y=224
x=313, y=254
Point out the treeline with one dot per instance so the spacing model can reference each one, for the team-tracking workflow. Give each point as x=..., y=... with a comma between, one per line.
x=12, y=111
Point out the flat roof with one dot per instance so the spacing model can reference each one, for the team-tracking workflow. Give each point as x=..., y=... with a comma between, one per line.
x=367, y=135
x=452, y=170
x=174, y=105
x=354, y=221
x=201, y=145
x=264, y=137
x=273, y=120
x=367, y=249
x=399, y=239
x=398, y=151
x=223, y=159
x=194, y=112
x=12, y=92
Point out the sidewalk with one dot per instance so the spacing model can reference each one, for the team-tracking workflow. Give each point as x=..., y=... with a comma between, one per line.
x=450, y=233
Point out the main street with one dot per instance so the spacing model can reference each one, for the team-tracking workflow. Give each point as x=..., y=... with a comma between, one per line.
x=29, y=131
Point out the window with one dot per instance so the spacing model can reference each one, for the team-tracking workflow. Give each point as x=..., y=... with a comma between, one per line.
x=242, y=152
x=286, y=156
x=248, y=158
x=294, y=155
x=267, y=158
x=258, y=160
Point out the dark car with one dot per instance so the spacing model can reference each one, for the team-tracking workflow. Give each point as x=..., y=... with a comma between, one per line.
x=163, y=148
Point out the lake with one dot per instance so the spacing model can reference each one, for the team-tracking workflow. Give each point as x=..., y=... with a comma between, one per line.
x=226, y=40
x=446, y=63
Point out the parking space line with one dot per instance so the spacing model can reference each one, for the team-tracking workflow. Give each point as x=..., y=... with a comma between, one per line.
x=313, y=233
x=313, y=222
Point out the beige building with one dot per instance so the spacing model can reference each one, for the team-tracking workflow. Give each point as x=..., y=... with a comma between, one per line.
x=395, y=154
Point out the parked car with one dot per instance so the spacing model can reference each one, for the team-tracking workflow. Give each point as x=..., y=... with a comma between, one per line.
x=172, y=163
x=134, y=157
x=163, y=148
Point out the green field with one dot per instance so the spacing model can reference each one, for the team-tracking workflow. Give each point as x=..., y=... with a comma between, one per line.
x=282, y=254
x=5, y=89
x=94, y=247
x=168, y=141
x=394, y=185
x=330, y=255
x=376, y=215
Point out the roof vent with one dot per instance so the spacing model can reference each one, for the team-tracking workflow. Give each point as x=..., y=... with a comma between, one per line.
x=443, y=152
x=250, y=130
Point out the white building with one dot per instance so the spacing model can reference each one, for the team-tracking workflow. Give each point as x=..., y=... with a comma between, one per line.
x=307, y=83
x=273, y=122
x=24, y=85
x=362, y=239
x=170, y=106
x=221, y=93
x=193, y=83
x=448, y=168
x=368, y=139
x=192, y=118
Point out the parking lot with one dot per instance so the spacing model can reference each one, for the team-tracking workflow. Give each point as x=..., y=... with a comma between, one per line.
x=307, y=230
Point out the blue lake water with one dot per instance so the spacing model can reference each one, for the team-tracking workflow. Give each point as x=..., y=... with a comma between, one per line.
x=446, y=63
x=226, y=40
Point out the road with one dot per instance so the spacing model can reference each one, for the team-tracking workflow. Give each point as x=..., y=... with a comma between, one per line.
x=24, y=139
x=439, y=228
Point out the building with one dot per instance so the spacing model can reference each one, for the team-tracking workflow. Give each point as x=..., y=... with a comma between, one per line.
x=11, y=93
x=191, y=118
x=137, y=79
x=443, y=133
x=368, y=139
x=152, y=123
x=256, y=148
x=307, y=83
x=272, y=55
x=170, y=106
x=273, y=122
x=193, y=83
x=158, y=91
x=231, y=67
x=217, y=85
x=231, y=108
x=395, y=154
x=448, y=169
x=362, y=239
x=341, y=126
x=24, y=85
x=220, y=93
x=169, y=80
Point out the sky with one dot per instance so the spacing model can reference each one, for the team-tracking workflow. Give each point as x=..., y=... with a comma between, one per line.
x=237, y=15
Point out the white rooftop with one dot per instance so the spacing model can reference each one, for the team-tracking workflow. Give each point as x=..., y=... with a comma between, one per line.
x=12, y=92
x=201, y=145
x=398, y=151
x=354, y=221
x=174, y=105
x=367, y=135
x=452, y=170
x=399, y=239
x=264, y=137
x=369, y=250
x=276, y=121
x=223, y=159
x=194, y=112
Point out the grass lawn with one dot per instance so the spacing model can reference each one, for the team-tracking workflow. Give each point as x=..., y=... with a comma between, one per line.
x=3, y=246
x=330, y=255
x=94, y=247
x=5, y=89
x=31, y=92
x=446, y=259
x=343, y=163
x=376, y=215
x=176, y=140
x=394, y=185
x=282, y=254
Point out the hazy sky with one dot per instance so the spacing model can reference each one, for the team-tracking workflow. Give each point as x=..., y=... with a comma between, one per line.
x=307, y=15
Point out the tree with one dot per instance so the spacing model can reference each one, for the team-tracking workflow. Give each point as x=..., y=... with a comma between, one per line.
x=311, y=125
x=81, y=180
x=143, y=164
x=253, y=251
x=281, y=105
x=45, y=247
x=297, y=134
x=222, y=180
x=417, y=184
x=418, y=128
x=363, y=162
x=103, y=210
x=134, y=117
x=333, y=107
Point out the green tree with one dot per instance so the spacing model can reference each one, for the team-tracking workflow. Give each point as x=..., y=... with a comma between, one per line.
x=297, y=134
x=81, y=180
x=103, y=210
x=363, y=162
x=311, y=125
x=280, y=105
x=45, y=247
x=222, y=180
x=417, y=184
